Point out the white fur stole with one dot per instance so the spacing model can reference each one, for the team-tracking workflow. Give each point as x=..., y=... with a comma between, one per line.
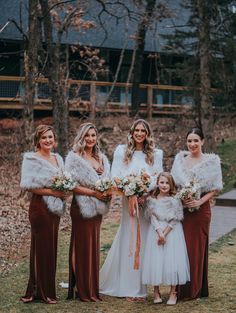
x=38, y=173
x=85, y=175
x=164, y=209
x=207, y=172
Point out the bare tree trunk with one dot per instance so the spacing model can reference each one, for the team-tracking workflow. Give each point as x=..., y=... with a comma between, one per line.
x=139, y=51
x=206, y=110
x=57, y=81
x=31, y=71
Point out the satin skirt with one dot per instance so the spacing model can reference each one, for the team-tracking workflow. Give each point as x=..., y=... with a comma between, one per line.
x=84, y=256
x=43, y=250
x=196, y=227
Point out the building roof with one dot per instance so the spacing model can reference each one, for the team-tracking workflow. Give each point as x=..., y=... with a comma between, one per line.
x=119, y=32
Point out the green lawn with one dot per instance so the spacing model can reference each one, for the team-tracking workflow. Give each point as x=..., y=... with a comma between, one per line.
x=227, y=152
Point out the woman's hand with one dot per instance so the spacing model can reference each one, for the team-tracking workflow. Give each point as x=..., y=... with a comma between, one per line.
x=193, y=203
x=133, y=205
x=51, y=192
x=141, y=200
x=103, y=196
x=63, y=195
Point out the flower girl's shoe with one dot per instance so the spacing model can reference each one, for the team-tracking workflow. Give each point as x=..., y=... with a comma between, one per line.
x=157, y=298
x=172, y=299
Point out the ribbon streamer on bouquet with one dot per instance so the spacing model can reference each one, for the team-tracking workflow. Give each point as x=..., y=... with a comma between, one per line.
x=134, y=208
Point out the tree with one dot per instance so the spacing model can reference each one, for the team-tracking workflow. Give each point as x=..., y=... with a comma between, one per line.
x=206, y=111
x=57, y=18
x=152, y=10
x=194, y=40
x=56, y=78
x=224, y=45
x=31, y=72
x=143, y=15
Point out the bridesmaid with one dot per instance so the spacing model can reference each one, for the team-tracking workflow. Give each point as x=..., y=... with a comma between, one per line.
x=118, y=277
x=206, y=169
x=87, y=165
x=45, y=208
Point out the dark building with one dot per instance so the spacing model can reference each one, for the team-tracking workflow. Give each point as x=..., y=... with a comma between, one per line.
x=110, y=35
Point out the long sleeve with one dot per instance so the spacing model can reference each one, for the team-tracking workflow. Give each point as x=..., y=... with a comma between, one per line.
x=118, y=164
x=172, y=223
x=155, y=223
x=157, y=168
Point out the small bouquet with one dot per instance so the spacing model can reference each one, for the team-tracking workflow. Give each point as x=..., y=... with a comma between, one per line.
x=63, y=182
x=134, y=184
x=104, y=184
x=191, y=190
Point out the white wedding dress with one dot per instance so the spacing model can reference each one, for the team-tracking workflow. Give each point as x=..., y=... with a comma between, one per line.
x=117, y=276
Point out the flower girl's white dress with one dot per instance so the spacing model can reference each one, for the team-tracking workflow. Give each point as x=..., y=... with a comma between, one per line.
x=117, y=275
x=165, y=264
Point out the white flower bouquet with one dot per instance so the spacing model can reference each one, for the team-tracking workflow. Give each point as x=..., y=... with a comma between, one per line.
x=104, y=184
x=63, y=182
x=134, y=184
x=191, y=190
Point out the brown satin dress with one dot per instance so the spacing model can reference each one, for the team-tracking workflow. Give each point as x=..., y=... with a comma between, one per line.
x=43, y=250
x=84, y=253
x=196, y=231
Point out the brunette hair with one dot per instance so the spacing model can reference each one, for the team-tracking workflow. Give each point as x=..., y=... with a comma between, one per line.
x=196, y=131
x=148, y=146
x=80, y=144
x=39, y=131
x=171, y=181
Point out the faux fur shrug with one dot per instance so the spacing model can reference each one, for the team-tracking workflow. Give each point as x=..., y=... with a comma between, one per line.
x=85, y=175
x=164, y=209
x=207, y=172
x=38, y=173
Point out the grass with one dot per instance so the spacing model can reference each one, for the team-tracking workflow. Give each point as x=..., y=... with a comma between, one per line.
x=222, y=277
x=227, y=152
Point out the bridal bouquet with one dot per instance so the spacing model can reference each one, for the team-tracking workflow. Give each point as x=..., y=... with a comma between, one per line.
x=134, y=184
x=103, y=184
x=63, y=182
x=191, y=190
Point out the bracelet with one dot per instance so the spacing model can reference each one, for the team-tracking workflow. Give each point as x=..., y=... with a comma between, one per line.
x=171, y=226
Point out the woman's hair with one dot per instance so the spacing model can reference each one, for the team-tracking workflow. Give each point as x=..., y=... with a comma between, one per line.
x=39, y=131
x=170, y=179
x=197, y=131
x=148, y=145
x=80, y=144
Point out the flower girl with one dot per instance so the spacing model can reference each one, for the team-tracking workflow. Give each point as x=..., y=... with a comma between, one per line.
x=165, y=259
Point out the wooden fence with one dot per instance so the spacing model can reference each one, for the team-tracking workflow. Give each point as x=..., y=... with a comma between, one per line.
x=91, y=96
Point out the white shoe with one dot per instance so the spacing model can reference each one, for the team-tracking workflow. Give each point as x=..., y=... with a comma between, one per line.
x=157, y=301
x=157, y=298
x=172, y=299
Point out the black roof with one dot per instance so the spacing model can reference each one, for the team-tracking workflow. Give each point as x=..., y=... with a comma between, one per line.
x=119, y=32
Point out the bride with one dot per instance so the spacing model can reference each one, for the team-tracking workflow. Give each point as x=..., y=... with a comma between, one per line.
x=117, y=276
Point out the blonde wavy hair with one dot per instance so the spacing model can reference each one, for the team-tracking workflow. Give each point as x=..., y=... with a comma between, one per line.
x=80, y=143
x=148, y=145
x=171, y=182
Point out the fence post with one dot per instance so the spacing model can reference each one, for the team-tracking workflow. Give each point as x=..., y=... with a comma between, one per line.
x=149, y=101
x=93, y=100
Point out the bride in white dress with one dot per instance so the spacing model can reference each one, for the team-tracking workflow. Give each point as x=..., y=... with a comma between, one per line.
x=117, y=276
